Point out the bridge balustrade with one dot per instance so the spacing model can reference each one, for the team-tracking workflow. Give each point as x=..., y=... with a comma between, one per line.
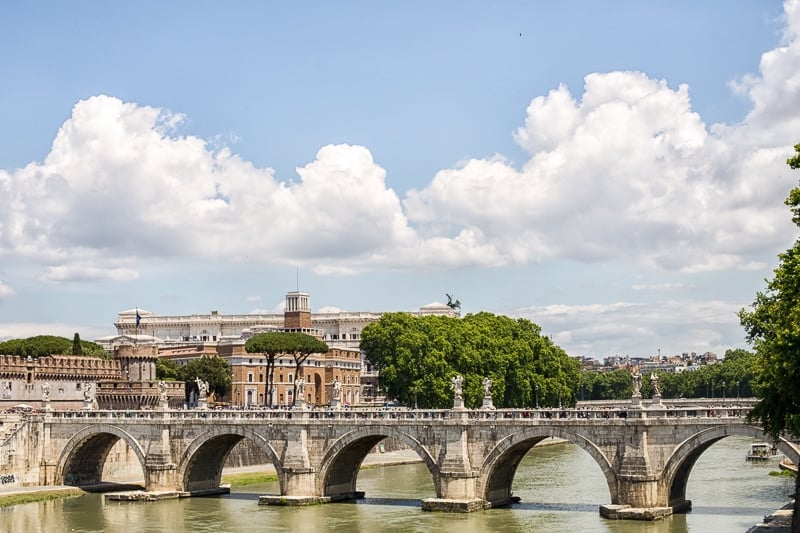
x=602, y=413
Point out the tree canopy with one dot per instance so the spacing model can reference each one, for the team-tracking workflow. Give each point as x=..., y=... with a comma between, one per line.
x=773, y=328
x=215, y=370
x=730, y=378
x=46, y=345
x=299, y=345
x=418, y=356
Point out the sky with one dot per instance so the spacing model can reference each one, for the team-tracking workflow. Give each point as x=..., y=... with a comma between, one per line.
x=614, y=172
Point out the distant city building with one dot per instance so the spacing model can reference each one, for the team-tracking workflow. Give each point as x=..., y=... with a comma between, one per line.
x=340, y=329
x=186, y=337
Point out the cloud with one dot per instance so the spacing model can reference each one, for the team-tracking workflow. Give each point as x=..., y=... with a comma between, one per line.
x=5, y=291
x=658, y=287
x=625, y=168
x=82, y=273
x=606, y=329
x=22, y=330
x=330, y=309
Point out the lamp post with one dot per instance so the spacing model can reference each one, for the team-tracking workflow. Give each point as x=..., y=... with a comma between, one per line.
x=737, y=391
x=537, y=396
x=723, y=392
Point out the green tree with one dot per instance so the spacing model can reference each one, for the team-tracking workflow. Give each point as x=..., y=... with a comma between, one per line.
x=773, y=329
x=417, y=357
x=215, y=370
x=299, y=345
x=77, y=349
x=46, y=345
x=270, y=344
x=167, y=369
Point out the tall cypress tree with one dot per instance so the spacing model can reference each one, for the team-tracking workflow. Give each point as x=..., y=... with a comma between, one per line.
x=76, y=345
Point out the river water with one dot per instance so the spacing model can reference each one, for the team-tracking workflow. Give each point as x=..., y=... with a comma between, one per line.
x=560, y=485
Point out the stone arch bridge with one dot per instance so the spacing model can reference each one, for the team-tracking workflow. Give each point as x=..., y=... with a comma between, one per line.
x=646, y=453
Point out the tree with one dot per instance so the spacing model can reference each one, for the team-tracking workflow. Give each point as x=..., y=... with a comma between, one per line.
x=773, y=329
x=167, y=369
x=301, y=346
x=270, y=344
x=76, y=345
x=46, y=345
x=215, y=370
x=417, y=357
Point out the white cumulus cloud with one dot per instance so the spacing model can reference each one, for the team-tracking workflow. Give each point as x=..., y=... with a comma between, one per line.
x=5, y=291
x=624, y=167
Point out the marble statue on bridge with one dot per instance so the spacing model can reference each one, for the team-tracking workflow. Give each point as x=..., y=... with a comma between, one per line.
x=654, y=384
x=456, y=383
x=636, y=377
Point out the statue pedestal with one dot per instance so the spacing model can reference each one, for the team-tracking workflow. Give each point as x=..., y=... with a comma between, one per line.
x=458, y=403
x=46, y=407
x=656, y=399
x=336, y=404
x=299, y=404
x=88, y=405
x=202, y=404
x=163, y=405
x=487, y=403
x=636, y=400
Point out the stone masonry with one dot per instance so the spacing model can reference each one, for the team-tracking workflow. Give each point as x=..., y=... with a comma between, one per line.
x=646, y=455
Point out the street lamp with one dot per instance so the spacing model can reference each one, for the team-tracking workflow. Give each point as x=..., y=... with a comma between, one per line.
x=537, y=396
x=737, y=391
x=723, y=392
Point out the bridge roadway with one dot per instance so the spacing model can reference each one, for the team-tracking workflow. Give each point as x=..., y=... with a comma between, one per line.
x=646, y=452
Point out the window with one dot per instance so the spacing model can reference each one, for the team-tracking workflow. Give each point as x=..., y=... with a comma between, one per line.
x=249, y=377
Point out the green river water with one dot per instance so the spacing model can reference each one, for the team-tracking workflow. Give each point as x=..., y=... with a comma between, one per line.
x=561, y=489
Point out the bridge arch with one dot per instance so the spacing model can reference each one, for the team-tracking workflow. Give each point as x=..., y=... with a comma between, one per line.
x=200, y=466
x=500, y=465
x=82, y=459
x=685, y=455
x=340, y=465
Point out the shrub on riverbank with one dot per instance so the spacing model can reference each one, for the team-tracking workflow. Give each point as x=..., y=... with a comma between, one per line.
x=248, y=478
x=10, y=500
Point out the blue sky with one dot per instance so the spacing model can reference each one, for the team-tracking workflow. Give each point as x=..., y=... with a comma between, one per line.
x=613, y=171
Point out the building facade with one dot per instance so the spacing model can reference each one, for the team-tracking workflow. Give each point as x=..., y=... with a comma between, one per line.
x=185, y=337
x=338, y=330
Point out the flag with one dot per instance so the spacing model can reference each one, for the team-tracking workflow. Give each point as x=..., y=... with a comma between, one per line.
x=138, y=317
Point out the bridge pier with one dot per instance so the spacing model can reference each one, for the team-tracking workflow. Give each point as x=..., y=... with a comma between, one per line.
x=457, y=494
x=646, y=454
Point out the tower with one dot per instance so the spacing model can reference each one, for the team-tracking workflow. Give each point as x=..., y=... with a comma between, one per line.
x=297, y=314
